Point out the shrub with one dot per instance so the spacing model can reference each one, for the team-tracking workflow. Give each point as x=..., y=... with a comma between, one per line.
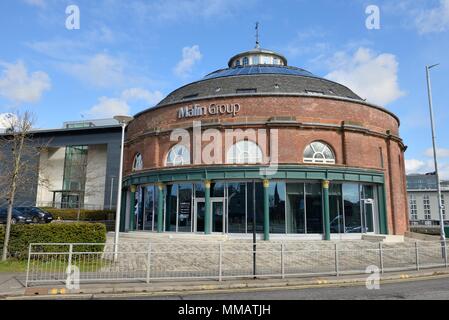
x=22, y=235
x=85, y=215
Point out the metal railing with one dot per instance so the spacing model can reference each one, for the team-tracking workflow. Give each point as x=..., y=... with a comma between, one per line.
x=53, y=263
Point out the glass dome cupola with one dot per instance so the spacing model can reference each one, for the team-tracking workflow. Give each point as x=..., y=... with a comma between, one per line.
x=257, y=56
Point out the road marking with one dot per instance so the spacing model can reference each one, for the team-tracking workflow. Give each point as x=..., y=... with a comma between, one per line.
x=236, y=290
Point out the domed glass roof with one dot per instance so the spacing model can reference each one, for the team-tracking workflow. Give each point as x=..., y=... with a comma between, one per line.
x=259, y=69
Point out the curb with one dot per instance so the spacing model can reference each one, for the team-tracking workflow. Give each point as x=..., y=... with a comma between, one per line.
x=170, y=289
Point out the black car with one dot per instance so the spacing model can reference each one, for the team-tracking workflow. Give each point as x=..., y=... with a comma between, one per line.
x=37, y=214
x=17, y=216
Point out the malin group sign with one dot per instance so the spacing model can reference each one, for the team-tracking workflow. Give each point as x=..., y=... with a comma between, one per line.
x=213, y=109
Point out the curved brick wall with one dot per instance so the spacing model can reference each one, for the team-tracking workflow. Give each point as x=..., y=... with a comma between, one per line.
x=362, y=136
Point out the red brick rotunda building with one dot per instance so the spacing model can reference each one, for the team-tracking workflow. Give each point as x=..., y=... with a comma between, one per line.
x=267, y=146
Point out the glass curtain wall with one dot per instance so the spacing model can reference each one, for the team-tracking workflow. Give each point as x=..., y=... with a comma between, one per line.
x=171, y=206
x=352, y=216
x=294, y=207
x=336, y=209
x=254, y=202
x=236, y=207
x=178, y=207
x=140, y=204
x=314, y=208
x=74, y=179
x=185, y=194
x=149, y=208
x=276, y=199
x=296, y=222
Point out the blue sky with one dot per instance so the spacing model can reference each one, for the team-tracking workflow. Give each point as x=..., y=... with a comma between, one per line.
x=127, y=55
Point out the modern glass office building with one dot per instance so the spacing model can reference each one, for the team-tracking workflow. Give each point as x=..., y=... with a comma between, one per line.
x=264, y=146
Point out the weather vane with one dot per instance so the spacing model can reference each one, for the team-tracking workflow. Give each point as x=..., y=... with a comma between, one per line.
x=257, y=36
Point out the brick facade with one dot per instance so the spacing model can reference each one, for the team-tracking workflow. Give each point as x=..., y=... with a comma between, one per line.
x=362, y=136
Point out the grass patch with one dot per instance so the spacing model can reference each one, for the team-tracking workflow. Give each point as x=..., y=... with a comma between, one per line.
x=13, y=265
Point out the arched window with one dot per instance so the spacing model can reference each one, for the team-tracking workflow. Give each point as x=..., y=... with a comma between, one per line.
x=245, y=61
x=137, y=162
x=319, y=152
x=178, y=155
x=244, y=152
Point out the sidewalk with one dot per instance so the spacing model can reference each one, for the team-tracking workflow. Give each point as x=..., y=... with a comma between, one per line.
x=12, y=285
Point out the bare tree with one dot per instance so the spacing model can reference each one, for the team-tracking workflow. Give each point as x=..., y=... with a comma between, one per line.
x=19, y=153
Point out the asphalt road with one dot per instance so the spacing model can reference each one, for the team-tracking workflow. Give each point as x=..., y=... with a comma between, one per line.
x=433, y=289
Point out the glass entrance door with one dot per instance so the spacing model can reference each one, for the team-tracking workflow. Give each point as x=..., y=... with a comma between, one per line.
x=367, y=209
x=218, y=215
x=200, y=210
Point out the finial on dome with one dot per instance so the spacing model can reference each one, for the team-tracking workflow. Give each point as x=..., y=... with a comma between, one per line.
x=257, y=36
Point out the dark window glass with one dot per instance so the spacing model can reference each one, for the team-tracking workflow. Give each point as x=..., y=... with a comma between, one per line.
x=351, y=196
x=249, y=90
x=74, y=179
x=190, y=96
x=276, y=198
x=236, y=207
x=295, y=208
x=149, y=208
x=171, y=207
x=200, y=190
x=368, y=209
x=217, y=216
x=257, y=188
x=314, y=209
x=185, y=208
x=336, y=209
x=200, y=212
x=217, y=189
x=139, y=208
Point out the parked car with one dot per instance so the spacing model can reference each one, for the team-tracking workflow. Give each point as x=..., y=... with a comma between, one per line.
x=17, y=216
x=37, y=214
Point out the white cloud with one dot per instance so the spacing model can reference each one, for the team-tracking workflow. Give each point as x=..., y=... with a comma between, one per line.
x=17, y=85
x=190, y=55
x=373, y=77
x=433, y=20
x=414, y=166
x=109, y=107
x=150, y=98
x=6, y=119
x=101, y=70
x=441, y=153
x=426, y=166
x=36, y=3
